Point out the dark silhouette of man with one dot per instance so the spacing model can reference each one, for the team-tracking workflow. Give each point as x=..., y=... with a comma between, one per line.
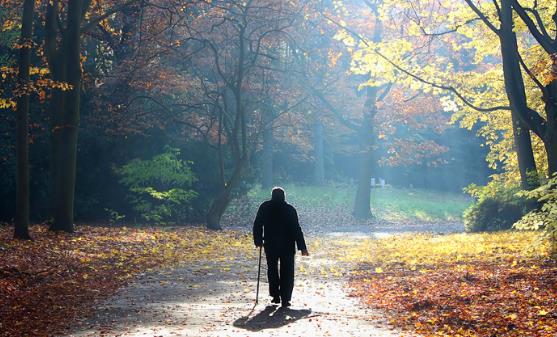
x=276, y=228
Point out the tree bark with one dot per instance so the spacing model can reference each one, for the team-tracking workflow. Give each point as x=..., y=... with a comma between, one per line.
x=22, y=125
x=319, y=153
x=550, y=141
x=514, y=87
x=367, y=133
x=526, y=162
x=546, y=129
x=362, y=202
x=66, y=132
x=218, y=207
x=223, y=198
x=268, y=147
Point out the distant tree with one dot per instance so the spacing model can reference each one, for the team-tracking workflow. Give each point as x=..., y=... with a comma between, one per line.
x=238, y=42
x=432, y=47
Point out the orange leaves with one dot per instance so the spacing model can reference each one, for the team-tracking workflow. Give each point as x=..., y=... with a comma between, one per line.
x=474, y=299
x=333, y=58
x=48, y=283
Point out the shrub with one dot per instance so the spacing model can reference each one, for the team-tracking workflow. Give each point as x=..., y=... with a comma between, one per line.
x=159, y=188
x=544, y=217
x=497, y=207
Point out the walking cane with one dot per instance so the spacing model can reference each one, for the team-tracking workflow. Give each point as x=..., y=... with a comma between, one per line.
x=258, y=277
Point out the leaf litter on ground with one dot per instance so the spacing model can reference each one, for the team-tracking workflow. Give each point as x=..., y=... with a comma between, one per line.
x=48, y=283
x=489, y=284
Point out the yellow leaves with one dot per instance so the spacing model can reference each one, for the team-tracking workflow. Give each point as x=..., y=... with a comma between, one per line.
x=9, y=25
x=379, y=270
x=414, y=250
x=345, y=37
x=542, y=313
x=7, y=103
x=42, y=71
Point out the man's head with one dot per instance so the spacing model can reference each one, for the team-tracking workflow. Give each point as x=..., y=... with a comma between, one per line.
x=278, y=194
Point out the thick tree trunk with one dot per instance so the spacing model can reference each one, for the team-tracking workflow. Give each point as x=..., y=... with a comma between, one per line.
x=362, y=202
x=551, y=149
x=67, y=131
x=514, y=86
x=526, y=162
x=223, y=198
x=217, y=209
x=22, y=126
x=550, y=140
x=319, y=153
x=56, y=106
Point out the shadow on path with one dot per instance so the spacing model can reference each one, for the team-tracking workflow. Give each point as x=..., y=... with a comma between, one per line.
x=271, y=318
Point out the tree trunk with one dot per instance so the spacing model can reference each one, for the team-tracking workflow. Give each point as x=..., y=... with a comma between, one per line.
x=319, y=153
x=514, y=87
x=268, y=147
x=362, y=202
x=66, y=132
x=550, y=140
x=217, y=209
x=22, y=125
x=526, y=162
x=223, y=198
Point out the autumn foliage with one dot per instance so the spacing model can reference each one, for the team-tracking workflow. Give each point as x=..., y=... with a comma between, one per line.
x=50, y=282
x=461, y=285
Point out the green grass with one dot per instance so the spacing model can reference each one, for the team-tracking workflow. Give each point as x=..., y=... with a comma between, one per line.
x=391, y=204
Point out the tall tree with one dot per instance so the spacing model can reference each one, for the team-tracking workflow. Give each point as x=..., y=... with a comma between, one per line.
x=428, y=23
x=367, y=137
x=63, y=39
x=367, y=132
x=514, y=87
x=22, y=141
x=65, y=65
x=233, y=45
x=545, y=128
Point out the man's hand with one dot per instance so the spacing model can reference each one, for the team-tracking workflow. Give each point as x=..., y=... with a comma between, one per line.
x=305, y=252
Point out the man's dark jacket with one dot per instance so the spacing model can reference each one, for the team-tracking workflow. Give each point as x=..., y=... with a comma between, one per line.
x=277, y=224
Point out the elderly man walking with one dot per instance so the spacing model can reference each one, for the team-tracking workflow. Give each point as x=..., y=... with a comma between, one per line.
x=276, y=228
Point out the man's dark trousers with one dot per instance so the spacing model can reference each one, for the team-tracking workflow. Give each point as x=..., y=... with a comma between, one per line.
x=281, y=280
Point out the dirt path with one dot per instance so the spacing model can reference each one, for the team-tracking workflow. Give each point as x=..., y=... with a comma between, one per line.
x=216, y=299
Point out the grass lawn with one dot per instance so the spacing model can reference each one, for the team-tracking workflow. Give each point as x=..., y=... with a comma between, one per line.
x=390, y=204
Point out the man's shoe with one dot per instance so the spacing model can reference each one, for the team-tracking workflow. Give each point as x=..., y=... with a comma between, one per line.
x=275, y=300
x=286, y=304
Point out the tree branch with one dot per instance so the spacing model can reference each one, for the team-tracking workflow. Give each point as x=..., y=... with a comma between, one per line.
x=94, y=21
x=544, y=40
x=418, y=78
x=482, y=16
